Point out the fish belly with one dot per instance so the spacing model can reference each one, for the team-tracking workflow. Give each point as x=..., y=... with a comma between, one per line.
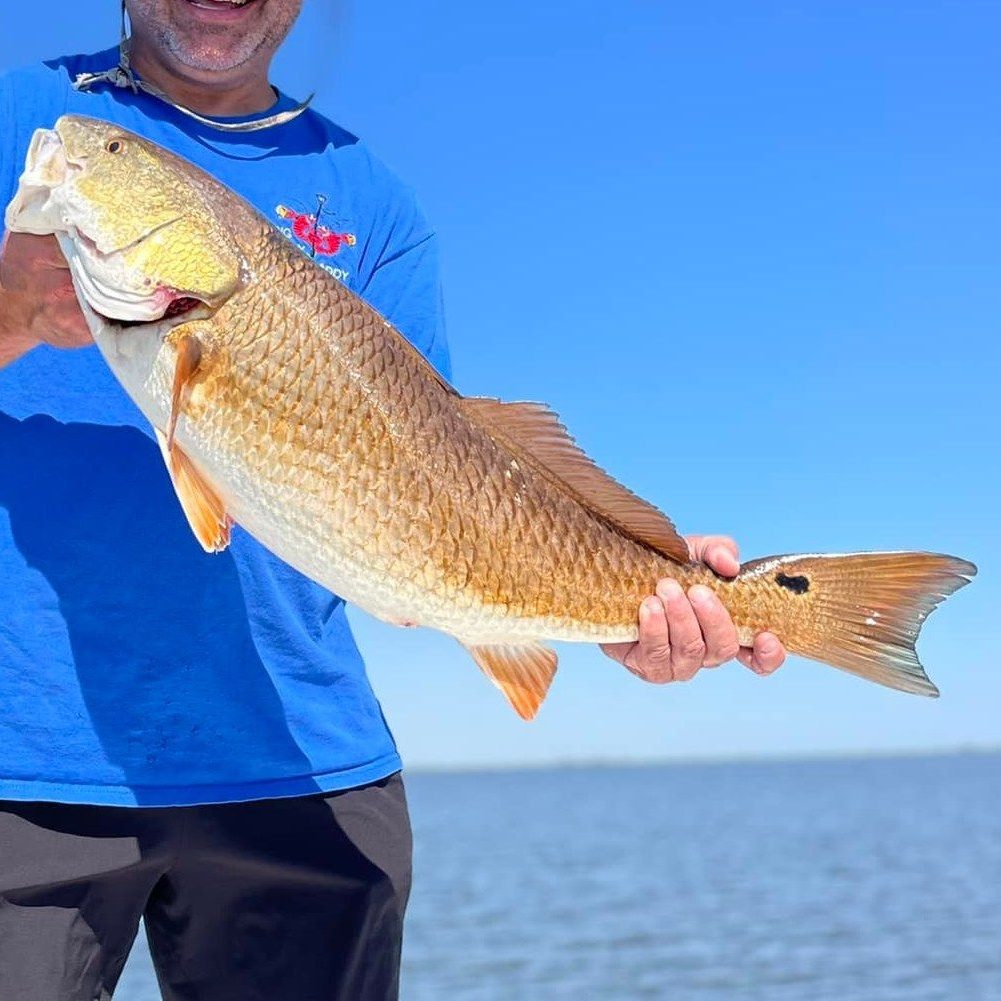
x=376, y=531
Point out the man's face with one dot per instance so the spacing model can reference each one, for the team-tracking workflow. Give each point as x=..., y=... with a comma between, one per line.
x=213, y=35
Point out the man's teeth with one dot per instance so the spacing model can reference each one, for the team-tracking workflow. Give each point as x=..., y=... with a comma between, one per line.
x=215, y=4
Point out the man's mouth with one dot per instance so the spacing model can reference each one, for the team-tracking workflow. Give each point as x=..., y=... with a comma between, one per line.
x=222, y=7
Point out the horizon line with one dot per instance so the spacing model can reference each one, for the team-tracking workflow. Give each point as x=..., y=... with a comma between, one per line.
x=792, y=757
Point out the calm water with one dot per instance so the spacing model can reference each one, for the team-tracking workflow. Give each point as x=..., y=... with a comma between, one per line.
x=852, y=880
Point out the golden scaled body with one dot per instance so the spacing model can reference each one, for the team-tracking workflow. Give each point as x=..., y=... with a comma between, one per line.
x=288, y=405
x=351, y=451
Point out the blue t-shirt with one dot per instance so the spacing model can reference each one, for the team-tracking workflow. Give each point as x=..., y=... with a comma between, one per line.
x=134, y=668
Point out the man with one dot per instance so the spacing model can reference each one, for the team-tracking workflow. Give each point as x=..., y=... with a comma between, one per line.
x=188, y=739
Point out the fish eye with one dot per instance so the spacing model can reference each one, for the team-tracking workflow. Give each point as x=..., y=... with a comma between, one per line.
x=115, y=146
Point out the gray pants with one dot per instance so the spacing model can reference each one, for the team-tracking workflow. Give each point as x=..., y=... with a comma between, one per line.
x=277, y=899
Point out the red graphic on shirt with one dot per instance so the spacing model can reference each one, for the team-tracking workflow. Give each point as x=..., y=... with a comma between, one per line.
x=323, y=241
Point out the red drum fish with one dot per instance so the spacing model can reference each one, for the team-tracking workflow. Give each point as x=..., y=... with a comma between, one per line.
x=285, y=403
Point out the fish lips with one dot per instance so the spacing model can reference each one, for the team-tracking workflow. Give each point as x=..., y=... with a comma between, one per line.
x=35, y=208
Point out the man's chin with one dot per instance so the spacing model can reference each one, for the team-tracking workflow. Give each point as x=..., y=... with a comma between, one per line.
x=213, y=48
x=214, y=36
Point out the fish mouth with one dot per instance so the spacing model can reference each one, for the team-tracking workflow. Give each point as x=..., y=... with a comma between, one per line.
x=180, y=310
x=33, y=208
x=103, y=285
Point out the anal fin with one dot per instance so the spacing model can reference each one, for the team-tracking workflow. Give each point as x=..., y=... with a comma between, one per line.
x=522, y=671
x=202, y=506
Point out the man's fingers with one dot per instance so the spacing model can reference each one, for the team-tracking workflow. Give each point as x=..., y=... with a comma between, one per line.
x=681, y=633
x=41, y=298
x=687, y=645
x=768, y=652
x=717, y=627
x=26, y=259
x=719, y=552
x=41, y=248
x=650, y=658
x=617, y=651
x=767, y=655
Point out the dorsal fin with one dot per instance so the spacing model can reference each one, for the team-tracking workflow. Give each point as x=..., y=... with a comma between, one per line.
x=536, y=434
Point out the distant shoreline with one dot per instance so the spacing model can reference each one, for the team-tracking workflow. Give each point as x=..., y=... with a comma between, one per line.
x=702, y=761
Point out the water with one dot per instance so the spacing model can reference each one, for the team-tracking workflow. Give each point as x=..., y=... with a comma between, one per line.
x=848, y=880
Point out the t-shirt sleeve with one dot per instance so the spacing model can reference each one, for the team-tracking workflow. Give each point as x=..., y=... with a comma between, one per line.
x=405, y=285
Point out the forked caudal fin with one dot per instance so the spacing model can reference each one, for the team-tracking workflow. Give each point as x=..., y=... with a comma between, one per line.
x=861, y=612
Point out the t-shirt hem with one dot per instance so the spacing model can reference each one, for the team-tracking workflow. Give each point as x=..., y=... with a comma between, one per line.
x=199, y=795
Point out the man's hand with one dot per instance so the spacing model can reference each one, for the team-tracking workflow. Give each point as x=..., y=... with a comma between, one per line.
x=681, y=633
x=37, y=301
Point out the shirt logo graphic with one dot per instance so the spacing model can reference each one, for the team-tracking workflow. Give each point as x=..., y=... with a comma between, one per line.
x=321, y=240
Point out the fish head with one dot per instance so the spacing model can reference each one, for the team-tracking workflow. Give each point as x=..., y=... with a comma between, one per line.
x=137, y=225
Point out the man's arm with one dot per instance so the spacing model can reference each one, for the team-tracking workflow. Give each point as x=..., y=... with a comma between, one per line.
x=682, y=633
x=37, y=301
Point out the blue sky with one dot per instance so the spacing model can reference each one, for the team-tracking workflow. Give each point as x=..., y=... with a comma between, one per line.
x=750, y=253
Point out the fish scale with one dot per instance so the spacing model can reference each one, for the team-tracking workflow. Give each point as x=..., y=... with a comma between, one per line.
x=355, y=479
x=286, y=404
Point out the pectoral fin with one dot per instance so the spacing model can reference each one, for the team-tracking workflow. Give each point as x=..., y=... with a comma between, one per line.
x=202, y=506
x=189, y=357
x=523, y=672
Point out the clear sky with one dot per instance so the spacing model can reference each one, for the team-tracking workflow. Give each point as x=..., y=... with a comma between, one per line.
x=750, y=252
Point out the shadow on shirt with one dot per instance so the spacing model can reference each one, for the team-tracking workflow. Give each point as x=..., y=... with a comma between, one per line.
x=161, y=649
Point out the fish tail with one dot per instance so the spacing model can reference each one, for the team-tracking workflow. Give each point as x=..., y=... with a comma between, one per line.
x=860, y=612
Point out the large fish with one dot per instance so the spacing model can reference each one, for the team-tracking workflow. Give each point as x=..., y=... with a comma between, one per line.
x=284, y=403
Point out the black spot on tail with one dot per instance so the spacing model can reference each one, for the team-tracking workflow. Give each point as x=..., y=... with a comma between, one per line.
x=798, y=585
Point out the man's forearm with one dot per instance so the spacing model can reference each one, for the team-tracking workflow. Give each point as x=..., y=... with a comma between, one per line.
x=13, y=340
